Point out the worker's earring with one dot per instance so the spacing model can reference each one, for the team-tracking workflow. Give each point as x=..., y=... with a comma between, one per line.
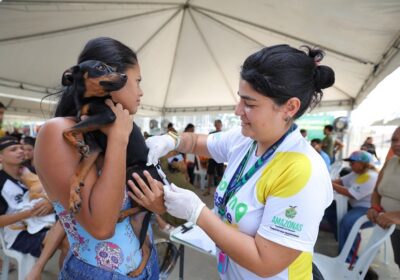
x=287, y=118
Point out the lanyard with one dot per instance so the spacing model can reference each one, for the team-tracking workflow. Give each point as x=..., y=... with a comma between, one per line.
x=238, y=179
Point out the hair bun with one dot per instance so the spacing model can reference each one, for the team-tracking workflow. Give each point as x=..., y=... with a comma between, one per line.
x=324, y=77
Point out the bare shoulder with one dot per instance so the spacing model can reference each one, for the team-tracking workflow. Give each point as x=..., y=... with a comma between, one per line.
x=55, y=159
x=50, y=138
x=55, y=125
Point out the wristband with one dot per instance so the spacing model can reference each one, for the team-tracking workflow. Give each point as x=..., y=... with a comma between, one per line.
x=377, y=208
x=176, y=138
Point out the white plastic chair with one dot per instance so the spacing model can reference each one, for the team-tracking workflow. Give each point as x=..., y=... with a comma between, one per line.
x=200, y=173
x=335, y=169
x=341, y=208
x=337, y=268
x=387, y=248
x=25, y=261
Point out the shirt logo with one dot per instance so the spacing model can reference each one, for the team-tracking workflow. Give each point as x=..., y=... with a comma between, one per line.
x=18, y=198
x=291, y=212
x=287, y=226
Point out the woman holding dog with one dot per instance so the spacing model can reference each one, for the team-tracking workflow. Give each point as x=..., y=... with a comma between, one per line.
x=101, y=246
x=273, y=194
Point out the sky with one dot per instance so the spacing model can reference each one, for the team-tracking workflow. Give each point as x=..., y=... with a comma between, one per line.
x=383, y=103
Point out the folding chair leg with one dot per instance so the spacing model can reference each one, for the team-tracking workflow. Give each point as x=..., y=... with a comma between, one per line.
x=5, y=268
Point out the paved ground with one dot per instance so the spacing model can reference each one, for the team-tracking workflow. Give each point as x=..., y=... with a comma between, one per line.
x=203, y=267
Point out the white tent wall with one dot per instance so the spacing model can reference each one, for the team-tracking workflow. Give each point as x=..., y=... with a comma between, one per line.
x=190, y=52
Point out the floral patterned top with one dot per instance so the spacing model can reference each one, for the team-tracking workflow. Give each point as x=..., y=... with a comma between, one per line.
x=119, y=253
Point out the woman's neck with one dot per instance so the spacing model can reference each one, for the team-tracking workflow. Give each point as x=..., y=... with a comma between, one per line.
x=265, y=144
x=13, y=170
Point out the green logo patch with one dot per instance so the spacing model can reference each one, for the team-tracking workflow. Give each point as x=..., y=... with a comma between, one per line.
x=291, y=212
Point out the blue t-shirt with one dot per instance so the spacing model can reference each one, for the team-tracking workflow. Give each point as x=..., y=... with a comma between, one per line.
x=326, y=159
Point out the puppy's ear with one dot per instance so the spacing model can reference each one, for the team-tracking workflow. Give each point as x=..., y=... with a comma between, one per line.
x=68, y=76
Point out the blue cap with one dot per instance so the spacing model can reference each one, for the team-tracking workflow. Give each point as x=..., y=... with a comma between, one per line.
x=361, y=156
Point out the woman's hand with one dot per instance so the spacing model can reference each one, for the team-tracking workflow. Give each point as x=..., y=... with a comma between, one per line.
x=42, y=208
x=159, y=146
x=150, y=197
x=183, y=203
x=122, y=126
x=387, y=219
x=372, y=214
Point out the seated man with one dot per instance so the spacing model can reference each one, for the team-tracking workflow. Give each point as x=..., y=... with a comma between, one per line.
x=358, y=187
x=42, y=244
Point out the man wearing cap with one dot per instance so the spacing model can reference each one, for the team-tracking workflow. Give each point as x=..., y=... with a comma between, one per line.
x=41, y=244
x=358, y=186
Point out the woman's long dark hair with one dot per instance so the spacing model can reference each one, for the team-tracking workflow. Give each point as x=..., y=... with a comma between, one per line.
x=107, y=50
x=281, y=72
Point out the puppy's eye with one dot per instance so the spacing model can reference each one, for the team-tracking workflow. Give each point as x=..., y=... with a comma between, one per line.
x=100, y=67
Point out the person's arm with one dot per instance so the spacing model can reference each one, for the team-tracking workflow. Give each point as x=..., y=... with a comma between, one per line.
x=339, y=188
x=41, y=208
x=337, y=181
x=342, y=190
x=193, y=143
x=102, y=196
x=9, y=219
x=338, y=145
x=387, y=219
x=257, y=254
x=262, y=254
x=376, y=156
x=376, y=207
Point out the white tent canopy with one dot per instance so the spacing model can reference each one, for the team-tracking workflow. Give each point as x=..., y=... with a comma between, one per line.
x=191, y=51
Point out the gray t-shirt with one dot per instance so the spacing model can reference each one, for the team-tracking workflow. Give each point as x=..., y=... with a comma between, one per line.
x=389, y=188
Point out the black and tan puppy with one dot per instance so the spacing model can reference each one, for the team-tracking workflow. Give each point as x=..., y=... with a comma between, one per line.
x=90, y=83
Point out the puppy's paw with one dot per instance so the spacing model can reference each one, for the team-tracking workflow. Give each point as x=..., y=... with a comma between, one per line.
x=84, y=149
x=75, y=199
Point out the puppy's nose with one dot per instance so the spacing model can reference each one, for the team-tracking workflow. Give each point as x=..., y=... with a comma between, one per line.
x=124, y=77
